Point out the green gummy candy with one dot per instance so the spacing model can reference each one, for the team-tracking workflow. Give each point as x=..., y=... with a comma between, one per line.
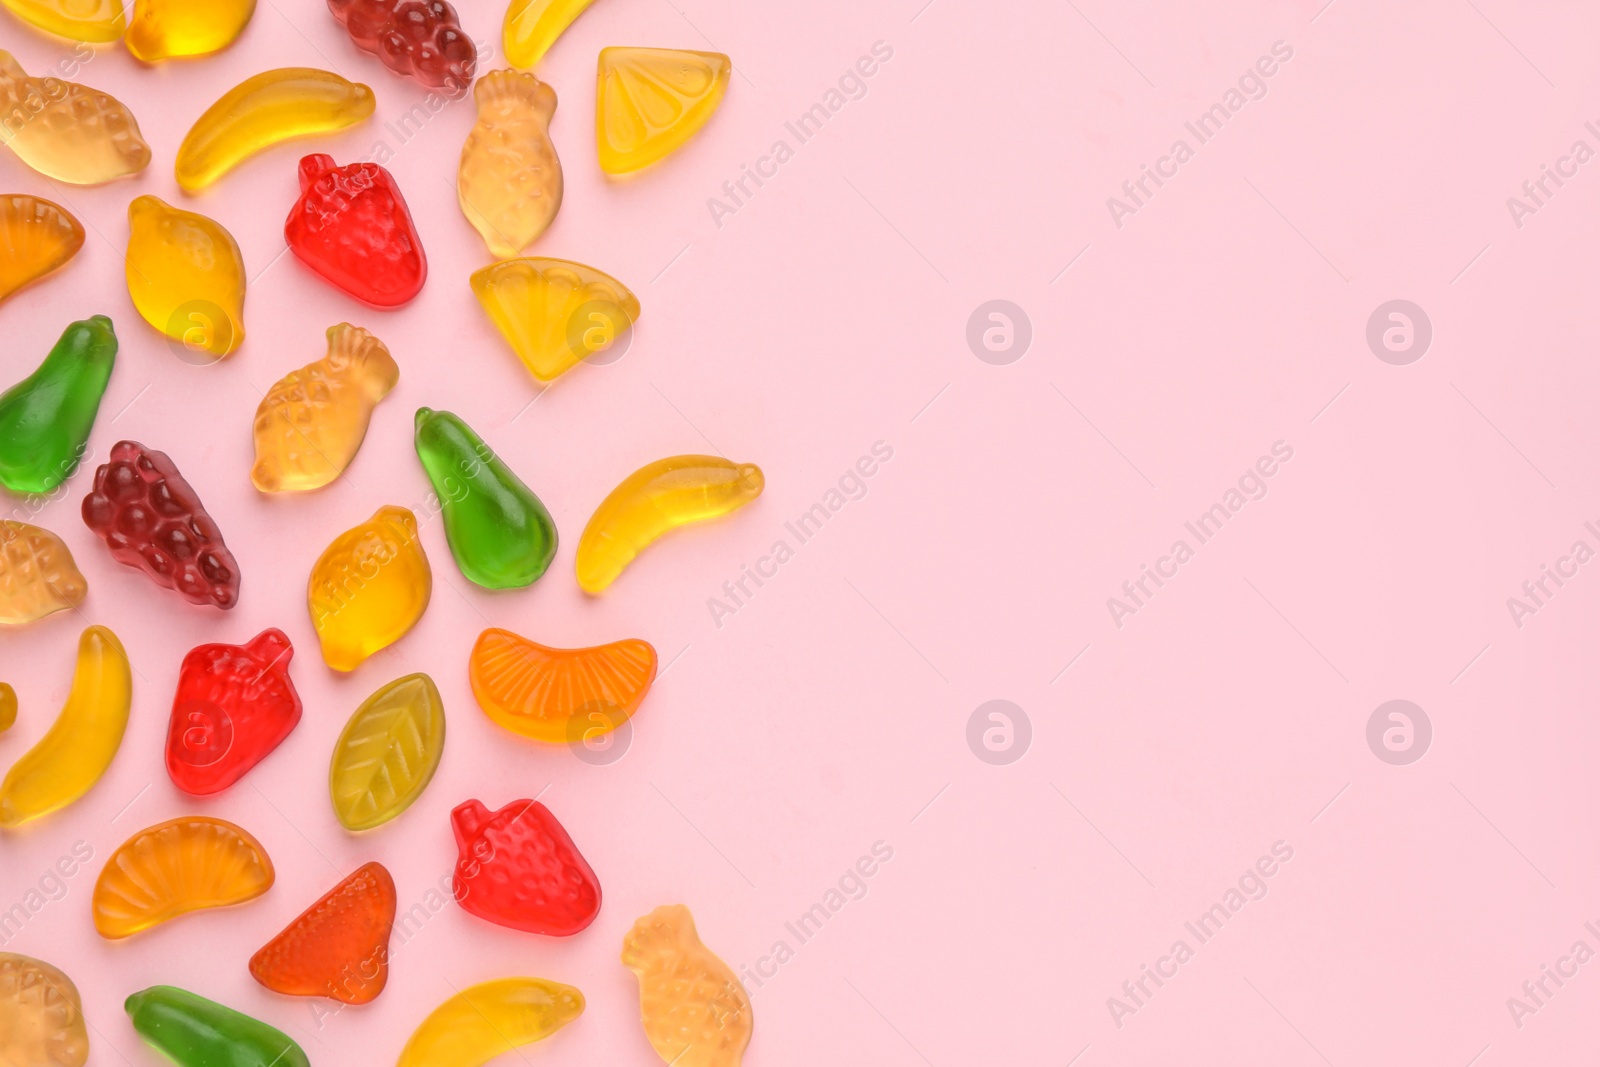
x=45, y=418
x=195, y=1032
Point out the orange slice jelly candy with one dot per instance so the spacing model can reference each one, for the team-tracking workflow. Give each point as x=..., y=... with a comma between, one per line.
x=339, y=947
x=560, y=695
x=176, y=867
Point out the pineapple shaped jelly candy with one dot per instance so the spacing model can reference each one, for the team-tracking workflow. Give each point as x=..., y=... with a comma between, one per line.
x=510, y=178
x=37, y=574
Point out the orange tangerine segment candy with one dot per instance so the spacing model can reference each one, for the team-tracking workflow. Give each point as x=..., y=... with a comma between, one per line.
x=38, y=576
x=175, y=867
x=337, y=948
x=67, y=131
x=559, y=695
x=37, y=236
x=41, y=1015
x=695, y=1011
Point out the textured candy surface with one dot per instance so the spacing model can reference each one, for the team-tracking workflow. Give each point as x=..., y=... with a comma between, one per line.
x=422, y=38
x=186, y=276
x=175, y=867
x=490, y=1019
x=695, y=1011
x=554, y=312
x=337, y=948
x=67, y=131
x=560, y=695
x=532, y=26
x=235, y=704
x=41, y=1015
x=95, y=21
x=37, y=236
x=195, y=1032
x=369, y=587
x=650, y=101
x=37, y=574
x=45, y=418
x=352, y=227
x=509, y=180
x=167, y=29
x=387, y=753
x=517, y=867
x=8, y=707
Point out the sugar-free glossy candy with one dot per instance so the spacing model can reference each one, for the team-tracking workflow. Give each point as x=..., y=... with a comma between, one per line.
x=532, y=26
x=517, y=867
x=509, y=180
x=235, y=704
x=186, y=276
x=151, y=519
x=37, y=574
x=175, y=867
x=559, y=695
x=500, y=533
x=95, y=21
x=422, y=38
x=45, y=418
x=166, y=29
x=387, y=753
x=41, y=1015
x=369, y=587
x=337, y=948
x=261, y=111
x=192, y=1031
x=352, y=226
x=488, y=1020
x=37, y=237
x=695, y=1011
x=553, y=312
x=67, y=131
x=72, y=756
x=311, y=423
x=8, y=707
x=655, y=500
x=650, y=101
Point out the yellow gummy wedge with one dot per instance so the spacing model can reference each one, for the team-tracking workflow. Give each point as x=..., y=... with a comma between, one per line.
x=553, y=312
x=490, y=1019
x=650, y=101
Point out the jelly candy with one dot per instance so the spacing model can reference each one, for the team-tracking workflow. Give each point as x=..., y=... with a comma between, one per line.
x=261, y=111
x=532, y=26
x=67, y=131
x=151, y=519
x=559, y=694
x=422, y=38
x=338, y=947
x=500, y=534
x=654, y=500
x=166, y=29
x=369, y=587
x=95, y=21
x=186, y=277
x=46, y=417
x=77, y=749
x=695, y=1012
x=352, y=226
x=195, y=1032
x=8, y=707
x=175, y=867
x=37, y=237
x=41, y=1016
x=490, y=1019
x=235, y=704
x=509, y=182
x=311, y=423
x=650, y=101
x=517, y=867
x=554, y=312
x=37, y=574
x=387, y=753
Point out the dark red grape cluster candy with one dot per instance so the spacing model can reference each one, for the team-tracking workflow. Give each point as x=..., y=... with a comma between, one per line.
x=150, y=518
x=422, y=38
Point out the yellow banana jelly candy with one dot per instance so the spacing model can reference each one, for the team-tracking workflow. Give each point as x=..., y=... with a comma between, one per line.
x=509, y=180
x=95, y=21
x=175, y=867
x=37, y=237
x=186, y=276
x=67, y=131
x=41, y=1016
x=490, y=1019
x=650, y=101
x=38, y=576
x=71, y=757
x=311, y=423
x=532, y=26
x=369, y=587
x=553, y=312
x=695, y=1012
x=165, y=29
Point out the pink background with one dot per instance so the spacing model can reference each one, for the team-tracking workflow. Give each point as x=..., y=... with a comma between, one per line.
x=830, y=712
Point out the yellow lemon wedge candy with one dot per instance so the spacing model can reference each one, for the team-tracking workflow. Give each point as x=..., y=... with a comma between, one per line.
x=37, y=237
x=553, y=312
x=38, y=576
x=387, y=753
x=490, y=1019
x=695, y=1011
x=41, y=1015
x=532, y=26
x=650, y=101
x=67, y=131
x=175, y=867
x=369, y=587
x=95, y=21
x=165, y=29
x=186, y=277
x=72, y=756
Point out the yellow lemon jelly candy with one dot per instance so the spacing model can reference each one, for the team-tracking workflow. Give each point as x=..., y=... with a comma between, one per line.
x=695, y=1012
x=41, y=1016
x=71, y=757
x=259, y=112
x=8, y=707
x=37, y=574
x=532, y=26
x=553, y=312
x=311, y=423
x=95, y=21
x=67, y=131
x=175, y=867
x=490, y=1019
x=36, y=238
x=654, y=500
x=164, y=29
x=509, y=181
x=369, y=587
x=559, y=695
x=186, y=277
x=650, y=101
x=388, y=752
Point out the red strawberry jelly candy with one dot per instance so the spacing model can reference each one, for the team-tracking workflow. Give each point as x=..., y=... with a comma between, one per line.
x=517, y=867
x=235, y=704
x=422, y=38
x=151, y=519
x=351, y=226
x=339, y=947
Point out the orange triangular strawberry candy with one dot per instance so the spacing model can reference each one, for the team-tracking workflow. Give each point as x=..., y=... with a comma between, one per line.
x=340, y=947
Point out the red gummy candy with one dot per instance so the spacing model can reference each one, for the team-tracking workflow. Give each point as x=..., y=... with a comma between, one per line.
x=351, y=226
x=235, y=704
x=422, y=38
x=517, y=867
x=151, y=519
x=339, y=947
